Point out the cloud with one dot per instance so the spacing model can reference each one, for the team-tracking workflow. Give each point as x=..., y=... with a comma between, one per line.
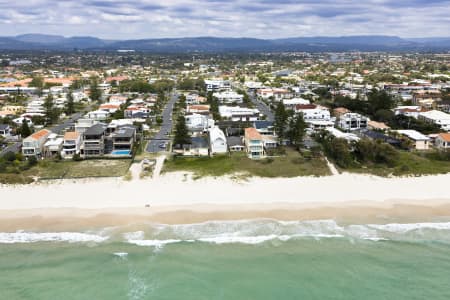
x=229, y=18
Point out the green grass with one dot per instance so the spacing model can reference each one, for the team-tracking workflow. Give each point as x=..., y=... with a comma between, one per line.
x=79, y=169
x=408, y=164
x=292, y=164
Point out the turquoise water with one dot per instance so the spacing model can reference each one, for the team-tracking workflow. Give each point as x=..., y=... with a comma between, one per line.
x=261, y=259
x=121, y=152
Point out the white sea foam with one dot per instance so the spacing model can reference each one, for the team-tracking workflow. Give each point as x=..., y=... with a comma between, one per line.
x=33, y=237
x=153, y=243
x=121, y=254
x=404, y=228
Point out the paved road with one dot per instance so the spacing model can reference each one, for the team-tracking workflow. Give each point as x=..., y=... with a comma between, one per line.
x=263, y=108
x=153, y=145
x=60, y=127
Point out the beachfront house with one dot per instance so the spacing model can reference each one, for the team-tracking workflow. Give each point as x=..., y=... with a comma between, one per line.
x=34, y=144
x=229, y=97
x=217, y=141
x=443, y=141
x=93, y=144
x=418, y=140
x=53, y=146
x=436, y=117
x=71, y=144
x=254, y=144
x=123, y=140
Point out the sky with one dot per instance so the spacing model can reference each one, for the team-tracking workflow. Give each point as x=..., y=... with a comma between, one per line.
x=134, y=19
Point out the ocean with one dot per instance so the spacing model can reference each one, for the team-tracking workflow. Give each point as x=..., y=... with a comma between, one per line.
x=252, y=259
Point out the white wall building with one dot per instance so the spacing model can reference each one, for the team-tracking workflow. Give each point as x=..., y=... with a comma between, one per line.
x=228, y=97
x=217, y=141
x=352, y=121
x=436, y=117
x=236, y=113
x=197, y=122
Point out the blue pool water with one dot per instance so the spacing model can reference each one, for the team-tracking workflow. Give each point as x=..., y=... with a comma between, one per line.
x=121, y=152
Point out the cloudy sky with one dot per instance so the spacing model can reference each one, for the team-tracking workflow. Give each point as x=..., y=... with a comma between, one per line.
x=122, y=19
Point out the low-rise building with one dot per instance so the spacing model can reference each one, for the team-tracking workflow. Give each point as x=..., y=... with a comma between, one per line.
x=71, y=144
x=312, y=112
x=443, y=141
x=198, y=123
x=123, y=140
x=53, y=146
x=352, y=121
x=229, y=97
x=5, y=130
x=236, y=113
x=34, y=144
x=217, y=141
x=93, y=144
x=254, y=143
x=436, y=117
x=419, y=141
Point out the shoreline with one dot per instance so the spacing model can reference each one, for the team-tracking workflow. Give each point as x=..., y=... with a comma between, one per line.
x=175, y=198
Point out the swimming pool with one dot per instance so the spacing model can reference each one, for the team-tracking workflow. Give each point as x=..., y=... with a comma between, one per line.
x=121, y=152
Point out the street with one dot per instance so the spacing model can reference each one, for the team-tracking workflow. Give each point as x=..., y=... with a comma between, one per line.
x=263, y=108
x=166, y=127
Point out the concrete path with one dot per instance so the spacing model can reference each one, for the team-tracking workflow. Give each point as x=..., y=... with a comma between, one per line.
x=158, y=166
x=332, y=168
x=136, y=169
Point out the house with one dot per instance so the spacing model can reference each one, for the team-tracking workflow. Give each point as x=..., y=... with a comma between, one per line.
x=436, y=117
x=339, y=111
x=83, y=124
x=217, y=85
x=195, y=99
x=275, y=93
x=236, y=113
x=312, y=112
x=5, y=130
x=34, y=144
x=408, y=111
x=71, y=144
x=426, y=98
x=374, y=125
x=228, y=97
x=197, y=122
x=235, y=144
x=419, y=141
x=254, y=143
x=98, y=115
x=292, y=103
x=53, y=146
x=93, y=144
x=199, y=147
x=123, y=140
x=443, y=141
x=264, y=127
x=350, y=137
x=109, y=107
x=136, y=112
x=352, y=121
x=217, y=141
x=269, y=141
x=19, y=121
x=198, y=109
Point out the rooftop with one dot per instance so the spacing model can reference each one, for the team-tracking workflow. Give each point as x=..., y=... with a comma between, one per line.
x=252, y=133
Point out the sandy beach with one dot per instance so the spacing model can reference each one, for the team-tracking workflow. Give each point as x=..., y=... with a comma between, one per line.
x=176, y=198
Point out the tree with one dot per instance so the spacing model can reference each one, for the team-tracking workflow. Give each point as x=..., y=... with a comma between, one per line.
x=70, y=107
x=37, y=82
x=181, y=132
x=51, y=112
x=281, y=118
x=297, y=128
x=25, y=129
x=95, y=92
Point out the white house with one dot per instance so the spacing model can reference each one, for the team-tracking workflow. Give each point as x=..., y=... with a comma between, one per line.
x=254, y=143
x=411, y=111
x=71, y=144
x=228, y=97
x=312, y=112
x=217, y=141
x=53, y=146
x=98, y=115
x=236, y=113
x=350, y=137
x=83, y=124
x=197, y=122
x=34, y=144
x=292, y=103
x=420, y=141
x=217, y=85
x=352, y=121
x=436, y=117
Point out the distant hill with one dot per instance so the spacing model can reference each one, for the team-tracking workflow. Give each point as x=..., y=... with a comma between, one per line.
x=215, y=44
